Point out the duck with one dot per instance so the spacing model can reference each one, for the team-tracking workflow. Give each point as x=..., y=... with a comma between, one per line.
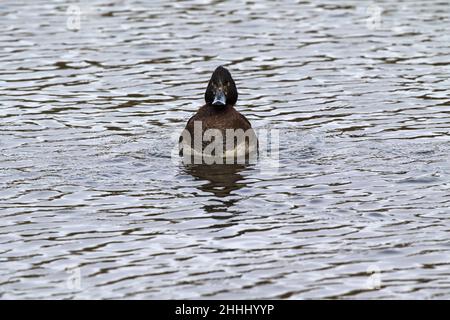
x=209, y=132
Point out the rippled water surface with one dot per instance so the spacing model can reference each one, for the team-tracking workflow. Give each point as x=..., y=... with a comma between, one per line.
x=93, y=205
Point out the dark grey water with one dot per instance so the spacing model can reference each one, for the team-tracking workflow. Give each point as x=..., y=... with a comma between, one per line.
x=94, y=206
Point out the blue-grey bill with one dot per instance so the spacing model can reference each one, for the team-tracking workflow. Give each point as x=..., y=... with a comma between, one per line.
x=219, y=99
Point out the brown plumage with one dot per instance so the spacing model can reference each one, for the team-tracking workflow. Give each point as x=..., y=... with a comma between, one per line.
x=218, y=118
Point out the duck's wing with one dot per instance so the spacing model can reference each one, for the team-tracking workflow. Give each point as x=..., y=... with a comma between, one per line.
x=241, y=116
x=190, y=122
x=189, y=127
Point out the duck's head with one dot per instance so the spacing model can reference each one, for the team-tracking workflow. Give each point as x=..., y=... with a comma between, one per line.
x=221, y=90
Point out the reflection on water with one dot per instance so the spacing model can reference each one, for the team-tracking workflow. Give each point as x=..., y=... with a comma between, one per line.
x=91, y=112
x=220, y=180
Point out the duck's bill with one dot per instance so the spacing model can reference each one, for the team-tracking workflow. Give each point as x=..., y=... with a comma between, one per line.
x=219, y=99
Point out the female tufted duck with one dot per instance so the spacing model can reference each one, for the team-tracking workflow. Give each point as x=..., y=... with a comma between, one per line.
x=217, y=129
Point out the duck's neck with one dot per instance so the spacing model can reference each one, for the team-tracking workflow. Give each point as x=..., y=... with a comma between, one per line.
x=218, y=109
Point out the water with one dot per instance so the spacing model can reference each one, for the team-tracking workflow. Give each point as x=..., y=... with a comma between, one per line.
x=94, y=206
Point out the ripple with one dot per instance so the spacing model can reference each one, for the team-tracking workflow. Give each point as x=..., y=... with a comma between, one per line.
x=90, y=121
